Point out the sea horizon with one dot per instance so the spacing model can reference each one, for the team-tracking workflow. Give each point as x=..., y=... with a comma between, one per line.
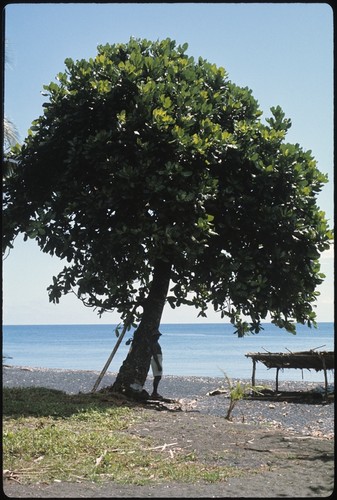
x=114, y=323
x=189, y=349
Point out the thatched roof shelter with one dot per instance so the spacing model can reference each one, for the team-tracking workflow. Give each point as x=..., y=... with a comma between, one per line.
x=310, y=360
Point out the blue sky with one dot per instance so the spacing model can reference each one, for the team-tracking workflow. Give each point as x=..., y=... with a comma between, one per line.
x=283, y=52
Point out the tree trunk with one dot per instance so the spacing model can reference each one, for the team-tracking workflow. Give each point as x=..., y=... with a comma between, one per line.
x=133, y=372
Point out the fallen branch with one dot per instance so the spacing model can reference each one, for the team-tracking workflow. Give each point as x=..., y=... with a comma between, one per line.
x=160, y=447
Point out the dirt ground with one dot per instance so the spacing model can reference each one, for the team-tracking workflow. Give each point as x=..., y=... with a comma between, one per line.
x=272, y=462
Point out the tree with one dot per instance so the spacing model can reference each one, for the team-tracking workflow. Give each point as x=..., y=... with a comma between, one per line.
x=10, y=138
x=153, y=176
x=10, y=133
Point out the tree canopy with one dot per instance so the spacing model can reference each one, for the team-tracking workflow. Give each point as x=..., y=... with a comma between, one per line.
x=143, y=155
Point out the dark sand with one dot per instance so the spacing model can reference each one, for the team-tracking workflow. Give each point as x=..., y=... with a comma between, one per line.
x=263, y=435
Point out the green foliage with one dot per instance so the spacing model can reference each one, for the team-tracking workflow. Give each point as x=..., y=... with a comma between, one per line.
x=143, y=153
x=237, y=392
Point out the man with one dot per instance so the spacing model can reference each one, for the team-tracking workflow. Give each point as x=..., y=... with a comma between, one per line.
x=156, y=364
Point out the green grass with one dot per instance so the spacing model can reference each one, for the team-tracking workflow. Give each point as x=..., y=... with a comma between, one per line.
x=49, y=435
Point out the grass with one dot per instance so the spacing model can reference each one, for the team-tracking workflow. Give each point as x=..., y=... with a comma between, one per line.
x=50, y=436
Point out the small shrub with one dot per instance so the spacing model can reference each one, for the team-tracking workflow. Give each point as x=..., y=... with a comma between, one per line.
x=237, y=392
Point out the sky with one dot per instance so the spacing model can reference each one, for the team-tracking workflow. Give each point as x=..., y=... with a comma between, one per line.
x=282, y=51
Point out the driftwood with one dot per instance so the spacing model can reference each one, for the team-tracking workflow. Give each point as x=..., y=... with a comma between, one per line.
x=216, y=392
x=309, y=360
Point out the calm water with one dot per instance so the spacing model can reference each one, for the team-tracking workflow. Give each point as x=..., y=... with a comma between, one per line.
x=188, y=349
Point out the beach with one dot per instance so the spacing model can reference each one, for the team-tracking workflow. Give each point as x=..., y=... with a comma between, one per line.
x=262, y=435
x=303, y=418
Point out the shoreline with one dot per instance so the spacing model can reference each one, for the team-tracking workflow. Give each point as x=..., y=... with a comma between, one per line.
x=302, y=417
x=289, y=383
x=109, y=376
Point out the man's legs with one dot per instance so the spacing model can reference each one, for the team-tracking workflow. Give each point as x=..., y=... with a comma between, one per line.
x=156, y=381
x=156, y=376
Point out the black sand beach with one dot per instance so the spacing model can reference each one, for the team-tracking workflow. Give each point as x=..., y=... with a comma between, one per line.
x=302, y=428
x=303, y=418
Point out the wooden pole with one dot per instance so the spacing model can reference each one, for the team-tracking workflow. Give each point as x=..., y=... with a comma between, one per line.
x=253, y=374
x=277, y=370
x=325, y=378
x=119, y=340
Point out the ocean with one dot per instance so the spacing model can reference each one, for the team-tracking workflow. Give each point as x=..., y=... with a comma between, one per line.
x=203, y=350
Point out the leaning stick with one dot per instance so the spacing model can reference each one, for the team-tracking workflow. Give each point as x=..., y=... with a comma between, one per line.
x=119, y=340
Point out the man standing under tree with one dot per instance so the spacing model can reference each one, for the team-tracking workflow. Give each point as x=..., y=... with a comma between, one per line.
x=157, y=368
x=156, y=364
